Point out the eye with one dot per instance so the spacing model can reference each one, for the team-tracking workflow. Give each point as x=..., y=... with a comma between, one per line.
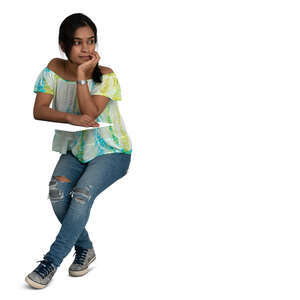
x=78, y=42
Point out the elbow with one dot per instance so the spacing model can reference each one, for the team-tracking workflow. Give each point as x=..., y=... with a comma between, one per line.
x=36, y=115
x=95, y=114
x=90, y=114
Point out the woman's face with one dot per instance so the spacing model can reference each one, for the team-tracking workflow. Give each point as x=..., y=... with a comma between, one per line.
x=83, y=45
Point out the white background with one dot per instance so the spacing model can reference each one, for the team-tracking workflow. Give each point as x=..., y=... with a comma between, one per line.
x=209, y=208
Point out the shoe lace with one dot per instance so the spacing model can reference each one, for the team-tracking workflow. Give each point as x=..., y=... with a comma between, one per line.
x=44, y=268
x=80, y=255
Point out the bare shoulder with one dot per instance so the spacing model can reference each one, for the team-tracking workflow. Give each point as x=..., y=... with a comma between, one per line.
x=105, y=70
x=55, y=64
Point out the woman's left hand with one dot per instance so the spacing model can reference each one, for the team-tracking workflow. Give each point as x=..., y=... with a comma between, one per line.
x=89, y=65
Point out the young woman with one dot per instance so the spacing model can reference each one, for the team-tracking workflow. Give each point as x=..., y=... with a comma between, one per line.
x=83, y=93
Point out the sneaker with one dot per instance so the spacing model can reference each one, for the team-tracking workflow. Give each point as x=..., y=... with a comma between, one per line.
x=41, y=275
x=82, y=260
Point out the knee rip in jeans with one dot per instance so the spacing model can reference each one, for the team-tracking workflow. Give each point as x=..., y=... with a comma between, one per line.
x=81, y=195
x=63, y=178
x=54, y=193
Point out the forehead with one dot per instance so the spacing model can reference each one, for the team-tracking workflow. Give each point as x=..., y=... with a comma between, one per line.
x=83, y=33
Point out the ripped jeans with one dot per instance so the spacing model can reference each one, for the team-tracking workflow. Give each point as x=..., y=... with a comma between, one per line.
x=72, y=191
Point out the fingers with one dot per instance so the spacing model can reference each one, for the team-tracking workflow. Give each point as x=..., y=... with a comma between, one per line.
x=96, y=55
x=89, y=122
x=95, y=124
x=92, y=124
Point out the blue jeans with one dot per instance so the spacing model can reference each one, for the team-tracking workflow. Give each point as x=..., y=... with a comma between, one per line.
x=73, y=197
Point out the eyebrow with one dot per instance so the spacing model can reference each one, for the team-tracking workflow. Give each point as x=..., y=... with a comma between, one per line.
x=77, y=38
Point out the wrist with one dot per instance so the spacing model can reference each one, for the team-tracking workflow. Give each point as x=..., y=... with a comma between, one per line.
x=68, y=117
x=81, y=75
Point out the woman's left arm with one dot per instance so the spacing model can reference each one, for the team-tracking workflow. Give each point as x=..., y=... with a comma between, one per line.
x=86, y=104
x=90, y=105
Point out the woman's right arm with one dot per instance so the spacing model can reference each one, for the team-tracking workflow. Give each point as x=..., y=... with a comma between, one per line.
x=42, y=111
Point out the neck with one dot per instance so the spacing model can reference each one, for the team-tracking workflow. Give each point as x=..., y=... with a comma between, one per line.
x=71, y=68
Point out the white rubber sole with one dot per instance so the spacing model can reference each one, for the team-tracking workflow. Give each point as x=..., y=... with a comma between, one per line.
x=34, y=284
x=81, y=272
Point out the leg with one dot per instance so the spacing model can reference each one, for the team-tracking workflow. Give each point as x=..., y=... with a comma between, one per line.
x=100, y=173
x=60, y=190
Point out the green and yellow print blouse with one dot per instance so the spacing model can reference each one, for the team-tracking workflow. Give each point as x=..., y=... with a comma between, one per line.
x=86, y=144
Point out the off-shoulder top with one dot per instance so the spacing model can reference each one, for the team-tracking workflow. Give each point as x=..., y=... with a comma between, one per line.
x=86, y=144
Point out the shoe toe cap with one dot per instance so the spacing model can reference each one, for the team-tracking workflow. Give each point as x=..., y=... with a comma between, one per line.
x=35, y=277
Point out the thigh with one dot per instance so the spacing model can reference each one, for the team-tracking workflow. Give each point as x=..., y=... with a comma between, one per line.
x=69, y=169
x=102, y=171
x=69, y=166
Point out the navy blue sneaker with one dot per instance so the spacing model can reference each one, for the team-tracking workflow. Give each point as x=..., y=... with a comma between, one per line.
x=41, y=275
x=82, y=260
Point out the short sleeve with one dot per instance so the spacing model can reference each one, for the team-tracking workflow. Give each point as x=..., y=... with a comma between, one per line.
x=45, y=82
x=109, y=87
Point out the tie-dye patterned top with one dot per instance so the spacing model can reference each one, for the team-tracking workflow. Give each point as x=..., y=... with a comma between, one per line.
x=86, y=144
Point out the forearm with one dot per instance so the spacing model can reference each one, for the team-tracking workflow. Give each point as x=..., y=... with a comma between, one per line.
x=48, y=114
x=85, y=102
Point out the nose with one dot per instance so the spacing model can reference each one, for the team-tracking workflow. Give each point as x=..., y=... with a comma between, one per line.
x=85, y=48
